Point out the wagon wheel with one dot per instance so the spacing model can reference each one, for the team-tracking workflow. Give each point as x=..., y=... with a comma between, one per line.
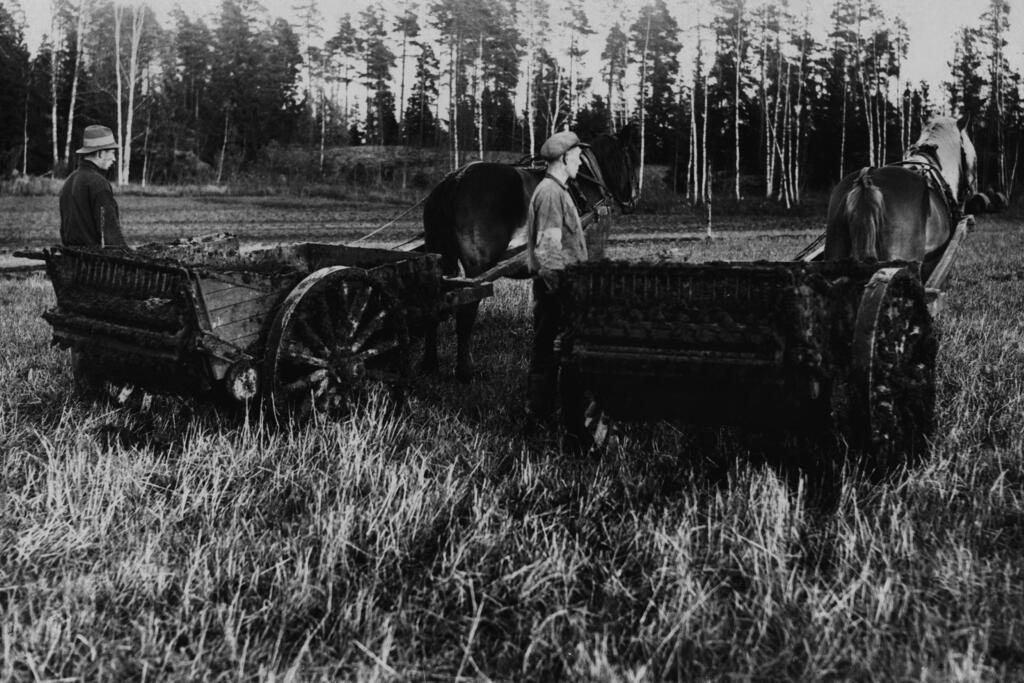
x=588, y=427
x=337, y=333
x=892, y=374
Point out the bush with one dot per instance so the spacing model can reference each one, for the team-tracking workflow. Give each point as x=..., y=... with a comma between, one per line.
x=30, y=186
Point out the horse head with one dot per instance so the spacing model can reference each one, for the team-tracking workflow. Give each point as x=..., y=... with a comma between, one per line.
x=945, y=142
x=618, y=159
x=968, y=186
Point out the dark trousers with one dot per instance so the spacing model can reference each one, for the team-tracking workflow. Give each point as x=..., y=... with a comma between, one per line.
x=547, y=323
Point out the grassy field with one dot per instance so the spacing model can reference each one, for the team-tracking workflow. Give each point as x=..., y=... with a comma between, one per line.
x=447, y=543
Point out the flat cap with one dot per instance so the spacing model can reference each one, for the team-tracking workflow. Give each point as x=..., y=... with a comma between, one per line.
x=560, y=143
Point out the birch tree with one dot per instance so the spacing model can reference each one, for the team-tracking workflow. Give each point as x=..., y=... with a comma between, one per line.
x=57, y=30
x=82, y=23
x=730, y=29
x=578, y=27
x=310, y=30
x=125, y=120
x=408, y=27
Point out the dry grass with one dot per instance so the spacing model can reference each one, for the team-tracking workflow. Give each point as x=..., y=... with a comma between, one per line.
x=445, y=543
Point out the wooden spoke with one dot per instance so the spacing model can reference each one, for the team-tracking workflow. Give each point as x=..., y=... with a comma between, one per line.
x=314, y=379
x=307, y=334
x=382, y=347
x=324, y=320
x=363, y=335
x=358, y=302
x=338, y=332
x=301, y=356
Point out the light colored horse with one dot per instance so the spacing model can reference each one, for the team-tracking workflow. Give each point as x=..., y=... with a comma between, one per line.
x=907, y=210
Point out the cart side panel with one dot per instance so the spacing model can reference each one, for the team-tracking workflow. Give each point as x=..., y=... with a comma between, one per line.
x=237, y=306
x=725, y=343
x=759, y=344
x=131, y=317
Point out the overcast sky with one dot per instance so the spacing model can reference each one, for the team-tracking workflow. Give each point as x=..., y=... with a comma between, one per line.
x=932, y=23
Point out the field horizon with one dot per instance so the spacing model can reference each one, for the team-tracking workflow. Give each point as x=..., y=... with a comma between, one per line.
x=448, y=541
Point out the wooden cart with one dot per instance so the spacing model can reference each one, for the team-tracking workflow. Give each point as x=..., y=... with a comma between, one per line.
x=303, y=326
x=808, y=345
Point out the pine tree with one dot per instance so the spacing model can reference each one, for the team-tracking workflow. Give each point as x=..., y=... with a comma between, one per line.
x=419, y=124
x=381, y=124
x=345, y=46
x=655, y=48
x=14, y=91
x=615, y=56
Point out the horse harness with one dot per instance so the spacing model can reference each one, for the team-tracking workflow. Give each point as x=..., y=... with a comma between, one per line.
x=932, y=174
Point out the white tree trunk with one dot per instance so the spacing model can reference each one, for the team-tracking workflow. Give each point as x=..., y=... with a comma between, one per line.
x=479, y=79
x=24, y=137
x=643, y=105
x=55, y=38
x=138, y=24
x=531, y=100
x=706, y=190
x=736, y=100
x=323, y=126
x=82, y=26
x=454, y=87
x=223, y=147
x=145, y=147
x=691, y=166
x=119, y=126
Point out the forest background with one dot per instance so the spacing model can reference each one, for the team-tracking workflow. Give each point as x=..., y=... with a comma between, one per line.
x=744, y=98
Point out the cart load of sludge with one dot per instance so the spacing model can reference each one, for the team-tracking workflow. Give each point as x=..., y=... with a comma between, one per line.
x=302, y=326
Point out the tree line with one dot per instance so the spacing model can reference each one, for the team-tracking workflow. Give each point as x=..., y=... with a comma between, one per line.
x=763, y=105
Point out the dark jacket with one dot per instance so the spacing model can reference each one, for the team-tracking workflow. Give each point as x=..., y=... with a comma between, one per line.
x=88, y=212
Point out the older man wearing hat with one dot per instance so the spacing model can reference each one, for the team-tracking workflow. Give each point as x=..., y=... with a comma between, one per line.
x=89, y=216
x=556, y=241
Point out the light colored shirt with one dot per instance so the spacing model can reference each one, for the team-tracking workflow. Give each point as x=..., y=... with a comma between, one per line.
x=556, y=234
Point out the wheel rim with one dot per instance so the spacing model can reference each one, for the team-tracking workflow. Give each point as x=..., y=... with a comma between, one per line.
x=338, y=332
x=894, y=368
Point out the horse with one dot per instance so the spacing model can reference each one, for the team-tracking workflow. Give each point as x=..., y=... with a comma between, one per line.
x=477, y=214
x=907, y=210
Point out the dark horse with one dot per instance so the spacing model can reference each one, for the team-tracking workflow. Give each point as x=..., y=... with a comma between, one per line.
x=907, y=210
x=478, y=213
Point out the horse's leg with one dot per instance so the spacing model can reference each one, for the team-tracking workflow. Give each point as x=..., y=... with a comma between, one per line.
x=440, y=227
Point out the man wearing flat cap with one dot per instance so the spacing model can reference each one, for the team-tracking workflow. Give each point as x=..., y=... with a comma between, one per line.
x=89, y=216
x=555, y=241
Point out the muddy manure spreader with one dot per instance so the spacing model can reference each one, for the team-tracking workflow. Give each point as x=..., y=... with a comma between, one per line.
x=302, y=326
x=838, y=349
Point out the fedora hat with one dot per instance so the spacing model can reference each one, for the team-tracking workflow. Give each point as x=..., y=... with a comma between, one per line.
x=560, y=143
x=95, y=139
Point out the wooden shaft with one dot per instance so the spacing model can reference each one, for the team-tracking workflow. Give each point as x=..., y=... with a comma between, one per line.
x=941, y=272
